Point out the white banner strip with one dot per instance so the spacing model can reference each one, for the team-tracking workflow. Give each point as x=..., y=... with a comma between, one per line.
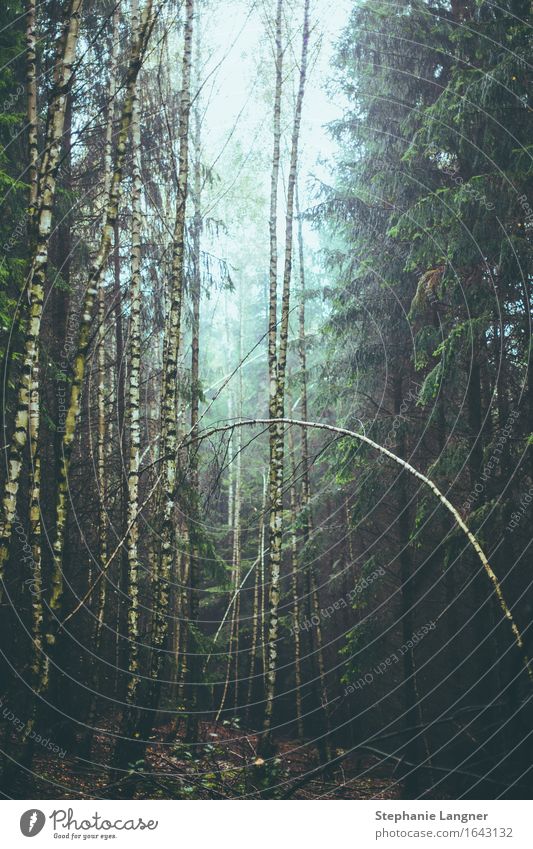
x=267, y=824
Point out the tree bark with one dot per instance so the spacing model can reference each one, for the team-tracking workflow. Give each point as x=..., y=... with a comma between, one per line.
x=258, y=632
x=278, y=358
x=313, y=602
x=28, y=385
x=31, y=102
x=133, y=748
x=84, y=338
x=169, y=398
x=295, y=588
x=134, y=392
x=412, y=715
x=194, y=666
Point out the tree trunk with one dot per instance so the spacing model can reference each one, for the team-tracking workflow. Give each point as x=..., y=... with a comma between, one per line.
x=132, y=540
x=31, y=103
x=414, y=749
x=169, y=399
x=278, y=354
x=84, y=339
x=295, y=588
x=28, y=386
x=258, y=616
x=134, y=749
x=316, y=655
x=191, y=730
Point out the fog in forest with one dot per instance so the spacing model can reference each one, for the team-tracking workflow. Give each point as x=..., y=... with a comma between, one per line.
x=267, y=400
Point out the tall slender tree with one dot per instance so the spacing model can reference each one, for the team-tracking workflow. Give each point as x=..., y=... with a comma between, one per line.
x=98, y=265
x=28, y=388
x=277, y=353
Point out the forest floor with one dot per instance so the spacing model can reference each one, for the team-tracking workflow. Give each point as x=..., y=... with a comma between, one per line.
x=223, y=768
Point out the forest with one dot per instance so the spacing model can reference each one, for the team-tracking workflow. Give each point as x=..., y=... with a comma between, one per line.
x=267, y=399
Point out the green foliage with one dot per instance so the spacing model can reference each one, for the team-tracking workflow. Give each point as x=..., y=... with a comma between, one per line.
x=430, y=229
x=13, y=190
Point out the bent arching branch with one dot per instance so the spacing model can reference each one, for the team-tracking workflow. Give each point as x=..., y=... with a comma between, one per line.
x=341, y=431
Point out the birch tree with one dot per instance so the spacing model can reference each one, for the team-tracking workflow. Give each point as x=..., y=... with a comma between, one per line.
x=28, y=387
x=278, y=353
x=134, y=387
x=312, y=596
x=170, y=366
x=31, y=106
x=129, y=746
x=194, y=666
x=98, y=265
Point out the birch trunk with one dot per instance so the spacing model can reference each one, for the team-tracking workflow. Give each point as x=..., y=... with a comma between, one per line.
x=31, y=102
x=233, y=646
x=95, y=274
x=119, y=400
x=295, y=588
x=313, y=600
x=237, y=555
x=101, y=362
x=134, y=392
x=233, y=595
x=262, y=540
x=133, y=747
x=257, y=621
x=191, y=731
x=104, y=433
x=28, y=385
x=40, y=231
x=231, y=474
x=169, y=398
x=275, y=485
x=278, y=369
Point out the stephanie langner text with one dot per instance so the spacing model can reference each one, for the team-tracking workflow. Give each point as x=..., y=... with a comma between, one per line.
x=427, y=816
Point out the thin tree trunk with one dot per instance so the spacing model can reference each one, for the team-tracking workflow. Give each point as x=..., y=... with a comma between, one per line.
x=231, y=474
x=28, y=386
x=122, y=496
x=262, y=540
x=181, y=566
x=184, y=571
x=40, y=663
x=275, y=487
x=485, y=654
x=101, y=401
x=40, y=232
x=413, y=714
x=134, y=393
x=191, y=730
x=277, y=362
x=134, y=748
x=104, y=439
x=237, y=534
x=101, y=432
x=31, y=101
x=233, y=646
x=96, y=271
x=295, y=589
x=233, y=597
x=258, y=636
x=169, y=399
x=316, y=655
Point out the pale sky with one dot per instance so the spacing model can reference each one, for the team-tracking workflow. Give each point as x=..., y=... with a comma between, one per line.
x=235, y=89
